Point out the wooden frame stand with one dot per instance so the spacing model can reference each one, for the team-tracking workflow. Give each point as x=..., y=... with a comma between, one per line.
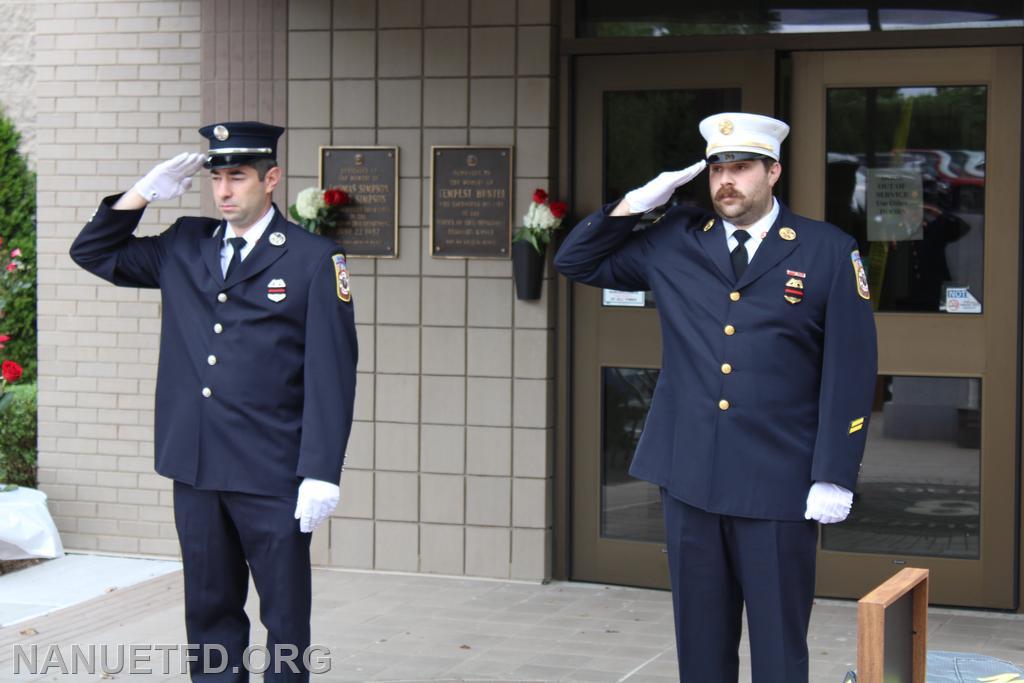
x=892, y=630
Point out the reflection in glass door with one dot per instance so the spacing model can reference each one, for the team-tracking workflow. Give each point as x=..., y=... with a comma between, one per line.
x=897, y=148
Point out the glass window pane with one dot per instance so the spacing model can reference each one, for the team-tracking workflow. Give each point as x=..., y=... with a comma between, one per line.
x=919, y=491
x=906, y=178
x=630, y=508
x=650, y=131
x=656, y=18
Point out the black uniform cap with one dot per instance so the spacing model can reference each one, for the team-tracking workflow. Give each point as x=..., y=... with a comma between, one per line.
x=235, y=143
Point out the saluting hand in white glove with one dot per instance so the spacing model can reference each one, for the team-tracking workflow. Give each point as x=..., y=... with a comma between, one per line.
x=658, y=191
x=317, y=500
x=170, y=179
x=828, y=503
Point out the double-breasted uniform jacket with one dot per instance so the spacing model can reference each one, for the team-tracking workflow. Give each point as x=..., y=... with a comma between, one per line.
x=767, y=382
x=256, y=379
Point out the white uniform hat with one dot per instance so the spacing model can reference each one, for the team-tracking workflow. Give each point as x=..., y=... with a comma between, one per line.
x=734, y=136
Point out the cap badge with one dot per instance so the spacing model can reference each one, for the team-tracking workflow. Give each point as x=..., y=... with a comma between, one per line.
x=277, y=238
x=277, y=290
x=787, y=234
x=725, y=127
x=221, y=133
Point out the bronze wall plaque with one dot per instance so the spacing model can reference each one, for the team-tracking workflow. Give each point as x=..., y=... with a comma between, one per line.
x=370, y=177
x=470, y=202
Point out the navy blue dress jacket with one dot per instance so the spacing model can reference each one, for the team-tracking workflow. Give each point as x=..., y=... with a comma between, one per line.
x=766, y=383
x=256, y=379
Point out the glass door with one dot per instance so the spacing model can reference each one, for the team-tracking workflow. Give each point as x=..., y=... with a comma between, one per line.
x=916, y=153
x=636, y=116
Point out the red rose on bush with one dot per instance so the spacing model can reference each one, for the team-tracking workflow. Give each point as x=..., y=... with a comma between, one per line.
x=558, y=209
x=540, y=196
x=3, y=339
x=11, y=371
x=335, y=197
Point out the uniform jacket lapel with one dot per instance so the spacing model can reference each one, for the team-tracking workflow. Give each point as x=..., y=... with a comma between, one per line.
x=714, y=245
x=263, y=254
x=771, y=250
x=210, y=249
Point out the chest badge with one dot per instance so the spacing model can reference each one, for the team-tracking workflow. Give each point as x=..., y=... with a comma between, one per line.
x=794, y=292
x=276, y=290
x=788, y=234
x=277, y=238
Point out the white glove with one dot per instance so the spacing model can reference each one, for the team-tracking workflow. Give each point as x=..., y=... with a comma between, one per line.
x=828, y=503
x=317, y=500
x=657, y=192
x=171, y=178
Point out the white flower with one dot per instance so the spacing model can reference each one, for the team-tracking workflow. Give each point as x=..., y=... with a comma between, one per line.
x=539, y=216
x=309, y=202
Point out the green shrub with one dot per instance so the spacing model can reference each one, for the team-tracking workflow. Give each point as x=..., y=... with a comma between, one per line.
x=18, y=436
x=18, y=231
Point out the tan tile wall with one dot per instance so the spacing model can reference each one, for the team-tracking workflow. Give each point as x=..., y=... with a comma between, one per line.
x=450, y=460
x=116, y=88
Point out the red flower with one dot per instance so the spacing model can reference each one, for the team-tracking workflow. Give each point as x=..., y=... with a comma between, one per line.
x=335, y=197
x=3, y=338
x=558, y=209
x=11, y=371
x=540, y=196
x=16, y=253
x=11, y=267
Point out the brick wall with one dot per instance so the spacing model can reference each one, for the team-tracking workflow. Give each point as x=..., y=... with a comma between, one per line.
x=117, y=88
x=449, y=463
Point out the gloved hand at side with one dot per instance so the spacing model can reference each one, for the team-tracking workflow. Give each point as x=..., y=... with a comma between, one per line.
x=828, y=503
x=317, y=500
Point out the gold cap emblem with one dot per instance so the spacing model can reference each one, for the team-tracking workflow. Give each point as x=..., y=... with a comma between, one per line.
x=725, y=127
x=709, y=225
x=787, y=234
x=221, y=133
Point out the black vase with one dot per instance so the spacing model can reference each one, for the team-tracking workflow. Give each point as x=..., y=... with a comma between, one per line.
x=528, y=270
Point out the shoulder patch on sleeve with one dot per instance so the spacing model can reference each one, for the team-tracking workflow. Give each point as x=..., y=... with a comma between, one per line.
x=341, y=277
x=860, y=275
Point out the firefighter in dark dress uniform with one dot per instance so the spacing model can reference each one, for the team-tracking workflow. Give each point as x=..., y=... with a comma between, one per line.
x=255, y=387
x=758, y=421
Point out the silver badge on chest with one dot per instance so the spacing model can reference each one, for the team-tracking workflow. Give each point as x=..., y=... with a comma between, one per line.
x=276, y=290
x=277, y=238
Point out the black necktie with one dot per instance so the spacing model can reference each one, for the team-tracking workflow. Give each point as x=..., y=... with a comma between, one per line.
x=236, y=258
x=739, y=254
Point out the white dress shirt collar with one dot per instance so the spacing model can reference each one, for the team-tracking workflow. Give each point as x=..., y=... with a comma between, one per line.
x=758, y=231
x=253, y=234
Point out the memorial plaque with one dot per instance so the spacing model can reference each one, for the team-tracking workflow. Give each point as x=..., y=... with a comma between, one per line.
x=471, y=202
x=370, y=177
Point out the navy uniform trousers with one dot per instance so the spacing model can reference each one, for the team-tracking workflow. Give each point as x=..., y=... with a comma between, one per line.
x=224, y=535
x=719, y=562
